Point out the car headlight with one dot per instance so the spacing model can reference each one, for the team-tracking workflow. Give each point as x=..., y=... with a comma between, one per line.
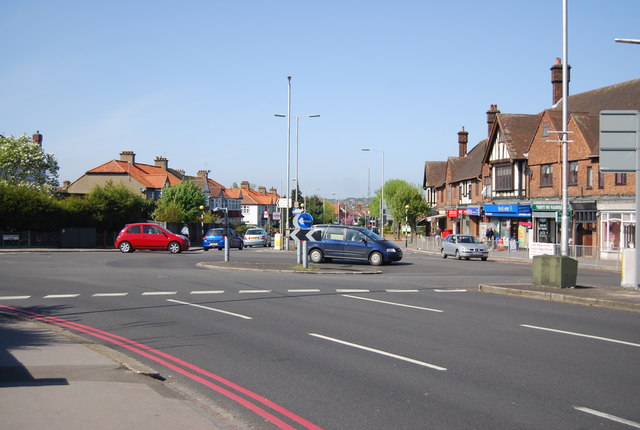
x=391, y=250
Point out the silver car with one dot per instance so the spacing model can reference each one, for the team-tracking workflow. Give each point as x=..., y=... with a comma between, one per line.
x=463, y=246
x=257, y=237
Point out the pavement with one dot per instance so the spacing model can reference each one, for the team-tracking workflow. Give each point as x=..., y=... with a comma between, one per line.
x=53, y=378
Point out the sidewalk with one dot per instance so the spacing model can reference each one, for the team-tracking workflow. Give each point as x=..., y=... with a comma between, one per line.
x=53, y=379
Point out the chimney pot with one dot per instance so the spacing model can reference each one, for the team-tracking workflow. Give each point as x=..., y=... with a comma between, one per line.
x=128, y=156
x=162, y=162
x=556, y=80
x=463, y=138
x=37, y=138
x=244, y=185
x=491, y=116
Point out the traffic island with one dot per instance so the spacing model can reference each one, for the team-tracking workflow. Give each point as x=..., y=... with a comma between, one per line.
x=290, y=268
x=557, y=271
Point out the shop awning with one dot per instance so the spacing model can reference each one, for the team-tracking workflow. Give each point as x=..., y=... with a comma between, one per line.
x=435, y=217
x=584, y=212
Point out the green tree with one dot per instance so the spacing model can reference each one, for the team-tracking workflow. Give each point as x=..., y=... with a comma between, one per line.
x=180, y=203
x=24, y=162
x=113, y=206
x=315, y=209
x=23, y=207
x=397, y=195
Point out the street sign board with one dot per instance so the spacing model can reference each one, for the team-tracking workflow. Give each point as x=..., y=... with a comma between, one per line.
x=619, y=133
x=303, y=221
x=299, y=235
x=283, y=203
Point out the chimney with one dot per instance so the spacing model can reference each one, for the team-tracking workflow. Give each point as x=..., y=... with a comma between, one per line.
x=463, y=138
x=202, y=174
x=37, y=138
x=244, y=185
x=556, y=80
x=128, y=156
x=491, y=116
x=162, y=162
x=66, y=185
x=262, y=190
x=273, y=190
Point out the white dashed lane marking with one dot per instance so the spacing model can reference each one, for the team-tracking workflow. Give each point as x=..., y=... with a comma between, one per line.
x=60, y=296
x=208, y=292
x=159, y=293
x=110, y=294
x=210, y=309
x=14, y=297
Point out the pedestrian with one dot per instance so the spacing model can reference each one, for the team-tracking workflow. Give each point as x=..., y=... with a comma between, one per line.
x=490, y=235
x=185, y=231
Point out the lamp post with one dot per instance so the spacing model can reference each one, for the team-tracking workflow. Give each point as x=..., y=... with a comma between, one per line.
x=381, y=190
x=288, y=186
x=406, y=221
x=297, y=157
x=226, y=230
x=202, y=218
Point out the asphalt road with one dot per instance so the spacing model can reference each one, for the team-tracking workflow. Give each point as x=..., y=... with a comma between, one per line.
x=415, y=347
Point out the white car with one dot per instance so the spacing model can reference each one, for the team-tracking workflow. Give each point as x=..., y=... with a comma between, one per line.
x=257, y=237
x=464, y=246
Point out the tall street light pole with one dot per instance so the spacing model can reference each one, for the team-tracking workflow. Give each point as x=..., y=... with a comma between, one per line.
x=381, y=190
x=288, y=186
x=565, y=118
x=297, y=157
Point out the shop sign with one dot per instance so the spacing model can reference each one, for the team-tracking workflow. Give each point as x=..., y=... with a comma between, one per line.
x=546, y=207
x=472, y=211
x=517, y=211
x=453, y=213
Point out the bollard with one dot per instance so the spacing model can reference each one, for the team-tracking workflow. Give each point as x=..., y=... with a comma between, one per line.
x=226, y=249
x=299, y=252
x=305, y=255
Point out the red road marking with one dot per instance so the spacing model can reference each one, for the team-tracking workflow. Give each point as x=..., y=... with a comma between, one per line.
x=138, y=348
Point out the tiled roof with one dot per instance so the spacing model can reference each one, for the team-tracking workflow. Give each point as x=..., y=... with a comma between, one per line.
x=253, y=197
x=470, y=166
x=434, y=174
x=622, y=96
x=518, y=131
x=147, y=175
x=589, y=126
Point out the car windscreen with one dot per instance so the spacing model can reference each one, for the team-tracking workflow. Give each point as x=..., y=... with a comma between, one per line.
x=215, y=232
x=254, y=231
x=466, y=239
x=371, y=235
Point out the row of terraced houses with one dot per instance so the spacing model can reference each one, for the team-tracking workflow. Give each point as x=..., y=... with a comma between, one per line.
x=512, y=179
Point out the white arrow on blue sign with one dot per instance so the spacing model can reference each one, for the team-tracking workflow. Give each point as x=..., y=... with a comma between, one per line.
x=303, y=221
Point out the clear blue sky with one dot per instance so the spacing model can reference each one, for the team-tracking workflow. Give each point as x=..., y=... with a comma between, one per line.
x=199, y=82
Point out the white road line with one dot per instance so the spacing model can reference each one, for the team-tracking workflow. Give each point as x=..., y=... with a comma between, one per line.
x=109, y=294
x=210, y=309
x=401, y=291
x=352, y=291
x=392, y=303
x=310, y=290
x=606, y=339
x=608, y=416
x=208, y=292
x=254, y=291
x=377, y=351
x=60, y=296
x=159, y=293
x=450, y=290
x=14, y=297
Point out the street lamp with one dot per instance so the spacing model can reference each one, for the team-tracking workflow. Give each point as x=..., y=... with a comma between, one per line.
x=297, y=157
x=406, y=221
x=381, y=190
x=288, y=116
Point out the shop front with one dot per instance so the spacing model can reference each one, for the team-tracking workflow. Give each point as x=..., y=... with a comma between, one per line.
x=510, y=222
x=585, y=221
x=547, y=219
x=617, y=227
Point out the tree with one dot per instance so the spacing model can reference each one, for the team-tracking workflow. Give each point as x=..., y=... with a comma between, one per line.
x=315, y=209
x=180, y=203
x=113, y=206
x=23, y=162
x=397, y=195
x=24, y=207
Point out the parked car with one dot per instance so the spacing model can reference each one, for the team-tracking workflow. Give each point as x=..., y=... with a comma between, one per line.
x=464, y=246
x=214, y=238
x=150, y=236
x=257, y=237
x=353, y=243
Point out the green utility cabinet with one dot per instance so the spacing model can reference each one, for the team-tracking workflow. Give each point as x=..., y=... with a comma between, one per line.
x=555, y=271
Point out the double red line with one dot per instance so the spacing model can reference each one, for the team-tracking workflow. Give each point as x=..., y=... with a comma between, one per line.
x=189, y=370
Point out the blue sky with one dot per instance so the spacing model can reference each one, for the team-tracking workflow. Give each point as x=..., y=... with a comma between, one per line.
x=199, y=82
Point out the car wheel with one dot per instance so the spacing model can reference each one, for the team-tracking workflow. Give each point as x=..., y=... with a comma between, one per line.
x=206, y=249
x=484, y=258
x=375, y=259
x=316, y=256
x=125, y=247
x=174, y=248
x=458, y=255
x=240, y=246
x=444, y=255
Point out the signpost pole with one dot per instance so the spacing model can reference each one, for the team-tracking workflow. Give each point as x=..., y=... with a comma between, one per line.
x=637, y=242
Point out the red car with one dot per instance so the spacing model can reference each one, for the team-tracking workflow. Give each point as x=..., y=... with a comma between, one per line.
x=150, y=236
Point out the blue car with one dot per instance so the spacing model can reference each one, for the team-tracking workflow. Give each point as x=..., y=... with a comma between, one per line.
x=351, y=243
x=214, y=238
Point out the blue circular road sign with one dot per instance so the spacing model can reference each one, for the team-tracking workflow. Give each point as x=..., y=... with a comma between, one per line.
x=304, y=220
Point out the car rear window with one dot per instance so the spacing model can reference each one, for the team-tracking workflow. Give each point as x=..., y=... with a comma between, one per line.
x=254, y=231
x=215, y=232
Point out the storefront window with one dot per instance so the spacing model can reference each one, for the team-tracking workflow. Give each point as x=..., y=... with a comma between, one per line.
x=618, y=230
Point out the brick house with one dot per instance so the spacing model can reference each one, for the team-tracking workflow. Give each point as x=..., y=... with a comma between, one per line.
x=522, y=173
x=256, y=204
